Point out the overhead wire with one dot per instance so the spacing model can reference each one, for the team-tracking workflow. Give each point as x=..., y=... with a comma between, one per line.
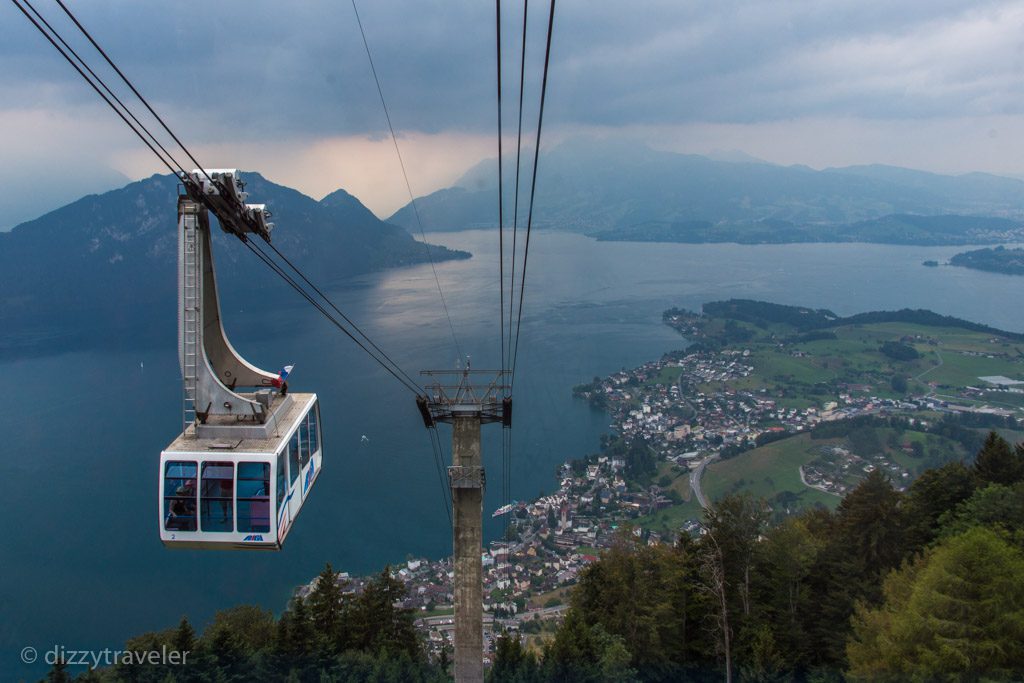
x=533, y=188
x=343, y=316
x=415, y=388
x=178, y=170
x=131, y=86
x=507, y=438
x=168, y=160
x=515, y=202
x=435, y=446
x=17, y=3
x=501, y=202
x=405, y=176
x=102, y=83
x=501, y=277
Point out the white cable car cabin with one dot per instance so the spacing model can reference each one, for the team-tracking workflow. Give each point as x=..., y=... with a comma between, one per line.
x=249, y=452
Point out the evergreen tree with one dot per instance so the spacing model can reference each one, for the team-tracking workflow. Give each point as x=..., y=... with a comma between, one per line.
x=585, y=654
x=184, y=641
x=251, y=625
x=297, y=650
x=327, y=613
x=648, y=596
x=955, y=614
x=864, y=541
x=59, y=672
x=994, y=507
x=784, y=564
x=512, y=663
x=736, y=522
x=869, y=525
x=231, y=662
x=998, y=463
x=935, y=493
x=379, y=625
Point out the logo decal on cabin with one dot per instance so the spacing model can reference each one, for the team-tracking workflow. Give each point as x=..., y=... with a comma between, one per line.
x=309, y=476
x=253, y=537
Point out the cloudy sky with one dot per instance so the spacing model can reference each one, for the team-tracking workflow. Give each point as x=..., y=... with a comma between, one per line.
x=286, y=88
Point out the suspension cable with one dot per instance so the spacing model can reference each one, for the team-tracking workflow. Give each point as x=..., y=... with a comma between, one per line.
x=533, y=188
x=435, y=446
x=99, y=80
x=176, y=169
x=17, y=3
x=515, y=203
x=501, y=202
x=132, y=87
x=413, y=387
x=343, y=316
x=405, y=176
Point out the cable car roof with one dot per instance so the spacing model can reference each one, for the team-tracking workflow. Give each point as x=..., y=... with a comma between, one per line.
x=280, y=428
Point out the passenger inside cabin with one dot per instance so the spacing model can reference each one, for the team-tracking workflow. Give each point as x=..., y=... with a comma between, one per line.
x=182, y=515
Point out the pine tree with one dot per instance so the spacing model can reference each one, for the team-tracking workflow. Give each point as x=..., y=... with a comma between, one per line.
x=933, y=494
x=737, y=521
x=381, y=626
x=59, y=672
x=955, y=614
x=184, y=641
x=998, y=463
x=784, y=566
x=863, y=541
x=326, y=611
x=870, y=525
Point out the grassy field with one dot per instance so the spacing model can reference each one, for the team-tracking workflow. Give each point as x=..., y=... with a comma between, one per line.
x=679, y=476
x=767, y=471
x=950, y=358
x=541, y=599
x=670, y=519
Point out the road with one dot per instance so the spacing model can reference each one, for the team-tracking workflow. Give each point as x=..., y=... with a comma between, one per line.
x=698, y=472
x=918, y=377
x=810, y=485
x=695, y=477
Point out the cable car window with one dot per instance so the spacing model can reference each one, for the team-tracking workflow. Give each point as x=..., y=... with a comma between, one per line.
x=180, y=496
x=253, y=492
x=304, y=440
x=293, y=457
x=216, y=497
x=282, y=482
x=314, y=440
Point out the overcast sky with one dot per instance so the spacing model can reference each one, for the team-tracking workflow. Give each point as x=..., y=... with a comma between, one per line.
x=285, y=87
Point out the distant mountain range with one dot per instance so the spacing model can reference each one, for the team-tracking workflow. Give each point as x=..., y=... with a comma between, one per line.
x=108, y=261
x=616, y=191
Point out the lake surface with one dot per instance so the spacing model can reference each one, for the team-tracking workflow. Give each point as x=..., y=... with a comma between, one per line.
x=82, y=565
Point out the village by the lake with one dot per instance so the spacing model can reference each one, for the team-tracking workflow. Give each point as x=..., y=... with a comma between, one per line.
x=791, y=405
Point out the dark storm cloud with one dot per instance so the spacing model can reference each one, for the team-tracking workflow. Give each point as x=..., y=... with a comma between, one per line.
x=270, y=68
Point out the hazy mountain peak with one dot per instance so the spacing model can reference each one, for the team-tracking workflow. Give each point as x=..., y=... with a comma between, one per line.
x=110, y=258
x=590, y=184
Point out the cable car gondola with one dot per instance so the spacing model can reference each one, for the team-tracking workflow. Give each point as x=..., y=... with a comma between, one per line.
x=250, y=451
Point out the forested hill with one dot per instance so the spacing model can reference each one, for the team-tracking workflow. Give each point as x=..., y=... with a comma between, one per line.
x=763, y=314
x=996, y=260
x=108, y=262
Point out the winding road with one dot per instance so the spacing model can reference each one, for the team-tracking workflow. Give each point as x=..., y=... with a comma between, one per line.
x=695, y=477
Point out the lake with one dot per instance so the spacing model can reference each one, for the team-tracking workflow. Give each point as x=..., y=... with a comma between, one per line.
x=82, y=565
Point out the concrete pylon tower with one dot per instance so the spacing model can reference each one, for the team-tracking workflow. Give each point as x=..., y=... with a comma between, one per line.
x=467, y=406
